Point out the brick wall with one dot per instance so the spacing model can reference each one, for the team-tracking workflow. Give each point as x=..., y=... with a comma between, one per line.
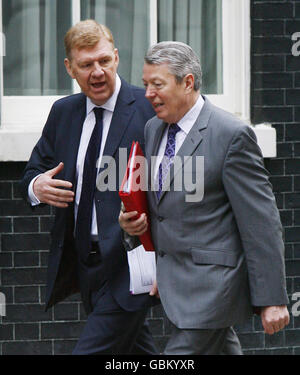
x=24, y=241
x=275, y=98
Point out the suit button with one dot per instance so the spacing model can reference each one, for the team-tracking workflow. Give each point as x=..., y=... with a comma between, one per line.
x=160, y=218
x=161, y=253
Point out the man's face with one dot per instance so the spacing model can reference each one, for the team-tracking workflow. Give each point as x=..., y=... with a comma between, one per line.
x=168, y=98
x=95, y=70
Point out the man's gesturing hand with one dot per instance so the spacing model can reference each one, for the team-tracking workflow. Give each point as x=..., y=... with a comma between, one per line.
x=51, y=191
x=274, y=318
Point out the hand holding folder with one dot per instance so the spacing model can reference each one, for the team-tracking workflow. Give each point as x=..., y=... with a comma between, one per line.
x=132, y=194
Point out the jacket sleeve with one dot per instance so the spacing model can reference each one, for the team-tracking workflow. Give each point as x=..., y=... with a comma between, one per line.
x=253, y=203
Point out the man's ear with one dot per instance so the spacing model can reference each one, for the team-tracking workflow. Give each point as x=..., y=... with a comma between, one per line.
x=189, y=82
x=69, y=68
x=117, y=59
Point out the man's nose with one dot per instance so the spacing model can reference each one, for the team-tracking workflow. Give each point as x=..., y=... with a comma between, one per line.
x=150, y=92
x=97, y=71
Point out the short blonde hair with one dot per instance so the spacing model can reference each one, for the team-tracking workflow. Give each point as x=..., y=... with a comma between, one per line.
x=86, y=34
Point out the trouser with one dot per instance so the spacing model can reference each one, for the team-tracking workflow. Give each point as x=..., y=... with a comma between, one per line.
x=203, y=341
x=111, y=330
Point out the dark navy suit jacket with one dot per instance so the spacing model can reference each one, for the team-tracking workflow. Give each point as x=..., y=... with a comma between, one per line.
x=67, y=273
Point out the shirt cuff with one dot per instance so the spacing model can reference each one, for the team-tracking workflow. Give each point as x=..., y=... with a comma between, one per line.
x=33, y=200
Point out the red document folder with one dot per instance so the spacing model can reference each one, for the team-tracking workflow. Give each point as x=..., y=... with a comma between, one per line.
x=131, y=192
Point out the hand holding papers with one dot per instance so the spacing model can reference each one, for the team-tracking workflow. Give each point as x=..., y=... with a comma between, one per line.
x=131, y=193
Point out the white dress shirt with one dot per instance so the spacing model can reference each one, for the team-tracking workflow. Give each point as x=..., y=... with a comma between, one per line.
x=185, y=124
x=87, y=130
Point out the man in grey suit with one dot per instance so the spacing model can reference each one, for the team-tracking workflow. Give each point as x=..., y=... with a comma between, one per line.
x=220, y=254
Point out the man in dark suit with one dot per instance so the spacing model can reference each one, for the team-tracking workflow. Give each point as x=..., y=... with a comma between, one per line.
x=218, y=235
x=87, y=253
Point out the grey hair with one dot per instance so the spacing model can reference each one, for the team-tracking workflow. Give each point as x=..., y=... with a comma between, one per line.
x=181, y=60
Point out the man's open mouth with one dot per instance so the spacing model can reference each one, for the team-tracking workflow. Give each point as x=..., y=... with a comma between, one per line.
x=98, y=85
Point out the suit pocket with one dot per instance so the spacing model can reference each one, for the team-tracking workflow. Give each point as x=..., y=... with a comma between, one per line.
x=217, y=257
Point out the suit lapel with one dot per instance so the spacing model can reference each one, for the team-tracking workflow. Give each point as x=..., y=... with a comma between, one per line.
x=191, y=142
x=154, y=142
x=78, y=116
x=120, y=120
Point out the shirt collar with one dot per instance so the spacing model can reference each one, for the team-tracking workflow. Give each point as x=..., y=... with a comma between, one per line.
x=188, y=120
x=110, y=104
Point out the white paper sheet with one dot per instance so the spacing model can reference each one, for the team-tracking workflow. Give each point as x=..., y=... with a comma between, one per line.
x=142, y=268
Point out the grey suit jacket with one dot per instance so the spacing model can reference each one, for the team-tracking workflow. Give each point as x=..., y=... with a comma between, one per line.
x=222, y=255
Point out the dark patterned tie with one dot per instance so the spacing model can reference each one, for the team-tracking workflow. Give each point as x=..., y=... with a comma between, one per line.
x=167, y=158
x=85, y=207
